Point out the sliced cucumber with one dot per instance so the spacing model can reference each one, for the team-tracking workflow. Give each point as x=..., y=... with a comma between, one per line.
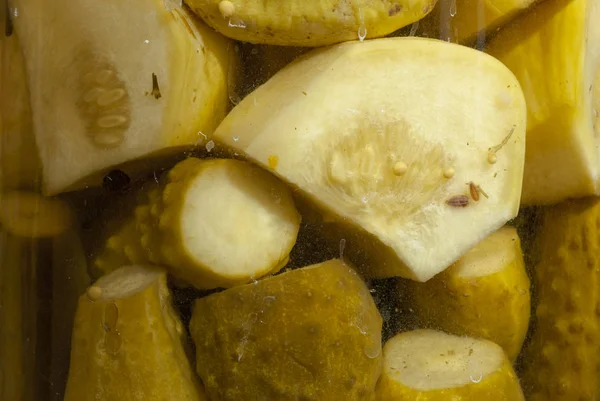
x=428, y=365
x=128, y=342
x=485, y=294
x=115, y=81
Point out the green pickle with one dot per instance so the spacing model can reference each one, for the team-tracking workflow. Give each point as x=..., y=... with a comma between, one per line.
x=300, y=200
x=312, y=334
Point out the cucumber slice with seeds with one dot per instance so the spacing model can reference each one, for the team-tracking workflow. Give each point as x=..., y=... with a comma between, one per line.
x=121, y=81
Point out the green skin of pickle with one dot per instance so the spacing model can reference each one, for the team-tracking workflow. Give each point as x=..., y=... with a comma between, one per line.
x=562, y=360
x=309, y=334
x=131, y=349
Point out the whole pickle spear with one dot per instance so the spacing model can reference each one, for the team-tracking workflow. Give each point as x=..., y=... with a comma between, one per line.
x=128, y=342
x=309, y=334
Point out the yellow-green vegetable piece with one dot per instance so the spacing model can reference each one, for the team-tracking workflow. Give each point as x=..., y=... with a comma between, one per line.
x=128, y=342
x=562, y=360
x=308, y=23
x=308, y=334
x=464, y=21
x=28, y=214
x=485, y=294
x=554, y=51
x=398, y=128
x=126, y=85
x=213, y=223
x=429, y=365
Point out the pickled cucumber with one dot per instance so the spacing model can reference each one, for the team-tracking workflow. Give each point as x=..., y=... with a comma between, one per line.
x=561, y=363
x=120, y=82
x=372, y=156
x=463, y=20
x=428, y=365
x=214, y=223
x=28, y=214
x=555, y=53
x=128, y=342
x=19, y=161
x=308, y=334
x=484, y=295
x=308, y=23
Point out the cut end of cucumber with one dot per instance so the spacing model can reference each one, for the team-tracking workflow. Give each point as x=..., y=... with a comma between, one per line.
x=238, y=220
x=28, y=214
x=432, y=360
x=124, y=282
x=490, y=256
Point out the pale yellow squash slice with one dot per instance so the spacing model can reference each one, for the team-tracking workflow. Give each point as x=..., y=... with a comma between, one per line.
x=114, y=82
x=555, y=53
x=385, y=136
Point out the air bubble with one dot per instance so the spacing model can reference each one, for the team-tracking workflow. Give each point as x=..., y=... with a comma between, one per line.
x=452, y=8
x=372, y=349
x=362, y=32
x=413, y=29
x=236, y=138
x=476, y=379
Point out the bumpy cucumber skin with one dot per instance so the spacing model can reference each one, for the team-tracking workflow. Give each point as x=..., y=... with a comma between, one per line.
x=150, y=361
x=494, y=307
x=502, y=385
x=563, y=359
x=311, y=23
x=310, y=334
x=154, y=234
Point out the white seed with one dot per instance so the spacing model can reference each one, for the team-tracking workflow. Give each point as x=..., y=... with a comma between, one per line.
x=449, y=172
x=492, y=158
x=108, y=139
x=94, y=293
x=400, y=168
x=93, y=94
x=104, y=76
x=111, y=121
x=110, y=96
x=226, y=8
